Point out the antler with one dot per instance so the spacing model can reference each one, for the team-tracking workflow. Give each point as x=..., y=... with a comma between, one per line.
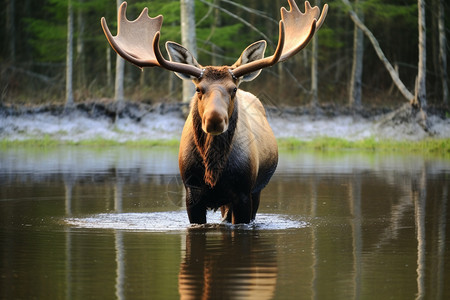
x=138, y=42
x=296, y=30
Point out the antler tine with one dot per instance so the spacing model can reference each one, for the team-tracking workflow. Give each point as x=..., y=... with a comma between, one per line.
x=296, y=30
x=134, y=38
x=138, y=42
x=322, y=17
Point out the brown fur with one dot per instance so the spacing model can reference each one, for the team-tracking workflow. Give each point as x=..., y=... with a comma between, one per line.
x=214, y=150
x=216, y=73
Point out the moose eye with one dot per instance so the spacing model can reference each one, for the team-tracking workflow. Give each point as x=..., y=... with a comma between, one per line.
x=233, y=92
x=199, y=90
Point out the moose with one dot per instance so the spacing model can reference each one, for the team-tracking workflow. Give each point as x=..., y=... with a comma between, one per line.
x=228, y=152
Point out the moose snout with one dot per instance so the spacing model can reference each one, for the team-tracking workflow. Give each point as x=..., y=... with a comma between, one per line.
x=215, y=122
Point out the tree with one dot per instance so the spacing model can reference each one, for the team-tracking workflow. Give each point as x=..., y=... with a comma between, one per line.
x=11, y=29
x=216, y=59
x=355, y=91
x=443, y=52
x=314, y=68
x=189, y=40
x=69, y=58
x=80, y=57
x=420, y=99
x=120, y=73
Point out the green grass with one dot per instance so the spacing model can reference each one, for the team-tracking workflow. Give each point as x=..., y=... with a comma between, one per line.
x=438, y=146
x=435, y=146
x=137, y=143
x=47, y=141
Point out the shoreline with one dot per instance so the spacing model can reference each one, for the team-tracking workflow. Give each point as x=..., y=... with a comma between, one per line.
x=439, y=147
x=102, y=123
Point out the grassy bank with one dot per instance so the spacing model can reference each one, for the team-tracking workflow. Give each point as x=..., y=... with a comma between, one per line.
x=438, y=146
x=435, y=146
x=47, y=141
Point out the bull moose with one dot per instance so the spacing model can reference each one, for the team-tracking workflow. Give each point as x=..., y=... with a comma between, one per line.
x=228, y=152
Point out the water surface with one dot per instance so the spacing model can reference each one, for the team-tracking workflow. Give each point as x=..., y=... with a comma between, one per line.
x=85, y=223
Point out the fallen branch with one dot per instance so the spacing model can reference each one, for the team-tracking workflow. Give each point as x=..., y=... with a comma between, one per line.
x=41, y=77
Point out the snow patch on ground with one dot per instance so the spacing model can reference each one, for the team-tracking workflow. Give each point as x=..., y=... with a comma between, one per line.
x=78, y=126
x=308, y=128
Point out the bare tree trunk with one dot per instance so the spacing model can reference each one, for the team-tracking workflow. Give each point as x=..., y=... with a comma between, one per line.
x=119, y=86
x=11, y=29
x=420, y=99
x=314, y=76
x=436, y=83
x=80, y=61
x=69, y=57
x=120, y=72
x=443, y=52
x=314, y=69
x=394, y=75
x=189, y=40
x=280, y=68
x=108, y=67
x=355, y=91
x=216, y=59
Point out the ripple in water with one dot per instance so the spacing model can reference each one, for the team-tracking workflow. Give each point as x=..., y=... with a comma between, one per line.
x=178, y=221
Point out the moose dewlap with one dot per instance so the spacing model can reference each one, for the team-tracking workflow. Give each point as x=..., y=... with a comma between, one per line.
x=228, y=152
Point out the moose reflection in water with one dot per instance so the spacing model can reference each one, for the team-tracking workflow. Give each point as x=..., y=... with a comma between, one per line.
x=229, y=264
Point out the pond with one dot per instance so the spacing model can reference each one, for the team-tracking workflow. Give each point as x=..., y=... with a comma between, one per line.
x=91, y=223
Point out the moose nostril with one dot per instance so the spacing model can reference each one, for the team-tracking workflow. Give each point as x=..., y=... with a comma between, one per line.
x=215, y=121
x=214, y=127
x=214, y=124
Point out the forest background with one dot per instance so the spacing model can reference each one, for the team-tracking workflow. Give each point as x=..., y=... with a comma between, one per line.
x=34, y=34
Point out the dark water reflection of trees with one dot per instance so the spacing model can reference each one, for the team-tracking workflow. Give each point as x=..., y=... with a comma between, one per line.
x=378, y=228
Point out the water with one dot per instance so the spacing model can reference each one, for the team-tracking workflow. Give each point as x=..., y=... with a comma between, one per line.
x=84, y=223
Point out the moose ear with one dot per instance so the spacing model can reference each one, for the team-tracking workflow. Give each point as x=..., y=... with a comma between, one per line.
x=253, y=52
x=179, y=54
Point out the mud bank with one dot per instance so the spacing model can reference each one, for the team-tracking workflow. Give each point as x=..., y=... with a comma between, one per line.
x=133, y=121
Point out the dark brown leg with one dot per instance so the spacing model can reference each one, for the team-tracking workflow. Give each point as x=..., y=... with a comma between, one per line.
x=255, y=204
x=242, y=210
x=196, y=209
